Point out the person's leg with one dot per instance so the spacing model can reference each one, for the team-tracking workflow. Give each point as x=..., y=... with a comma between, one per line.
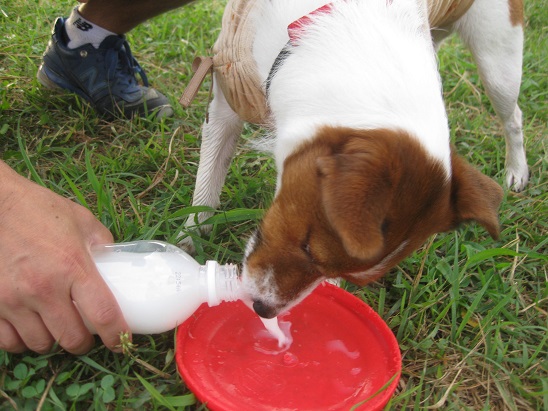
x=120, y=16
x=88, y=55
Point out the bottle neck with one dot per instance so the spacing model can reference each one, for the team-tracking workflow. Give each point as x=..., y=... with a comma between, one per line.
x=223, y=282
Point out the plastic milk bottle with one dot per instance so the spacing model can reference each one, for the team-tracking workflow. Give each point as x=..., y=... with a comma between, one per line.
x=158, y=285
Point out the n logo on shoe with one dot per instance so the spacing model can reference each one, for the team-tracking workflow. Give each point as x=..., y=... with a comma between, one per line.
x=89, y=83
x=82, y=25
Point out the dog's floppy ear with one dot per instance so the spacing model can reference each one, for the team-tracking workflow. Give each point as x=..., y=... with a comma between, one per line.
x=475, y=196
x=356, y=192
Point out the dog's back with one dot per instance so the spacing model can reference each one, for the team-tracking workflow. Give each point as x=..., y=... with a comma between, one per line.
x=361, y=64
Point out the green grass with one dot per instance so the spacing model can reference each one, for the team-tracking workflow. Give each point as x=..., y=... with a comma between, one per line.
x=470, y=313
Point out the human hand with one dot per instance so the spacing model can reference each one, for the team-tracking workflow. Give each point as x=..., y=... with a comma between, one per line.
x=46, y=267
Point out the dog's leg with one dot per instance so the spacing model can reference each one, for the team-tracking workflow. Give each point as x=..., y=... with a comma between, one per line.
x=219, y=138
x=493, y=31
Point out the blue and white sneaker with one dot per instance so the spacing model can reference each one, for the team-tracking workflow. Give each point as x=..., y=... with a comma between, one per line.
x=106, y=77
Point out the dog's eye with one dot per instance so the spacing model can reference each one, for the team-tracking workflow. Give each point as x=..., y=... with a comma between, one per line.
x=384, y=226
x=305, y=246
x=308, y=251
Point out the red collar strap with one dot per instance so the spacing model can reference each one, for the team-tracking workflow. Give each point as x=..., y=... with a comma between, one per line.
x=296, y=28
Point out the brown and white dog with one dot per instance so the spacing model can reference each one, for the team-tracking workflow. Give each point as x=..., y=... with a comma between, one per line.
x=360, y=136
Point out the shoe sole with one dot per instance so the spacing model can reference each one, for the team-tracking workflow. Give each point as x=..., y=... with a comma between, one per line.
x=50, y=80
x=44, y=80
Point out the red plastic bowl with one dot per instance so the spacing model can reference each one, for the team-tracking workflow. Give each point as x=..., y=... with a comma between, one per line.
x=342, y=355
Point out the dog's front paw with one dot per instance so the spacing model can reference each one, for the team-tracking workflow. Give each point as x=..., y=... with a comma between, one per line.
x=193, y=228
x=186, y=244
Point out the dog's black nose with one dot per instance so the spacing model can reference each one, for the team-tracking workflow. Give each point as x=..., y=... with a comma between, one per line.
x=263, y=310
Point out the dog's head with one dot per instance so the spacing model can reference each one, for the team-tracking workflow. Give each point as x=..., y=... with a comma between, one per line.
x=352, y=204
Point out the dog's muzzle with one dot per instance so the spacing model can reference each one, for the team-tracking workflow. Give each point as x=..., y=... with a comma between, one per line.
x=264, y=310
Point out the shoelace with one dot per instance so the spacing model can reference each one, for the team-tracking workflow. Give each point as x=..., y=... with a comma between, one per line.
x=119, y=58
